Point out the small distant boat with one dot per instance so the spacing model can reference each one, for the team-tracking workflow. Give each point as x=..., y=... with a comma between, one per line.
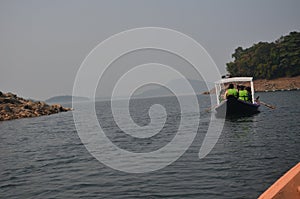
x=233, y=106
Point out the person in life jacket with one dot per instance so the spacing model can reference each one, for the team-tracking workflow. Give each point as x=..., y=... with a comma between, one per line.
x=243, y=94
x=249, y=94
x=231, y=91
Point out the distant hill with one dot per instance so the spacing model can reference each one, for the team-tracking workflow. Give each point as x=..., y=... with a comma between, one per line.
x=65, y=98
x=268, y=60
x=198, y=86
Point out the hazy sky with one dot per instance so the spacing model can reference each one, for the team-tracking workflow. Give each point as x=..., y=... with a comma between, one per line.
x=43, y=43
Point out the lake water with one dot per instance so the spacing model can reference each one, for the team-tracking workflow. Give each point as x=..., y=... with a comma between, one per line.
x=45, y=158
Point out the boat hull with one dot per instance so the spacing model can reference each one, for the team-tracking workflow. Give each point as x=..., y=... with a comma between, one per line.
x=288, y=186
x=236, y=107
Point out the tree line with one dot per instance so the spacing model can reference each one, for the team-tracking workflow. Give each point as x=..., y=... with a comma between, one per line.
x=268, y=60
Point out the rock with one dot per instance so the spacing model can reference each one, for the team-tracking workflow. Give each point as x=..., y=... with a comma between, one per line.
x=13, y=107
x=43, y=104
x=27, y=107
x=59, y=108
x=30, y=103
x=11, y=95
x=11, y=101
x=7, y=109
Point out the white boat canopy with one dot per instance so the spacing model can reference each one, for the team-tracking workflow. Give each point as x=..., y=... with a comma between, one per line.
x=235, y=79
x=219, y=84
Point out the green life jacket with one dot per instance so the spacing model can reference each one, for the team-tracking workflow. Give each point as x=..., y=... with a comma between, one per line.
x=243, y=95
x=232, y=92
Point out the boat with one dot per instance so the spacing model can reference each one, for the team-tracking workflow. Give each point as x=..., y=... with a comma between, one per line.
x=288, y=186
x=233, y=106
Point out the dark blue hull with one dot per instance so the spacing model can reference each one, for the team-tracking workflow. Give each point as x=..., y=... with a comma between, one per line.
x=235, y=107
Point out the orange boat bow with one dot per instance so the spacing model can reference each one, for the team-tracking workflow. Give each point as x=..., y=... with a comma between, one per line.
x=286, y=187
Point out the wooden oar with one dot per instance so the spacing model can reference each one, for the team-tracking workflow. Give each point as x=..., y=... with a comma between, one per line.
x=267, y=105
x=210, y=108
x=263, y=103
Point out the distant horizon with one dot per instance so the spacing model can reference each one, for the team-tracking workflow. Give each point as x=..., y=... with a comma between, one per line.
x=116, y=97
x=43, y=43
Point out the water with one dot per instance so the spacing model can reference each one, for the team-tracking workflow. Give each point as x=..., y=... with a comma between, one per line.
x=44, y=157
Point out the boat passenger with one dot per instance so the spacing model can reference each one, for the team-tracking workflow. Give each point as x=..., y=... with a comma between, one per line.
x=249, y=93
x=243, y=93
x=231, y=91
x=238, y=87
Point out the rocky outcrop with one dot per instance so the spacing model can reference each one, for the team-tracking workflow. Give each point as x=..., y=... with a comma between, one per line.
x=14, y=107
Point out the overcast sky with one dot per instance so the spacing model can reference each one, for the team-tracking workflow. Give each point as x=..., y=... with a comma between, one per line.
x=43, y=43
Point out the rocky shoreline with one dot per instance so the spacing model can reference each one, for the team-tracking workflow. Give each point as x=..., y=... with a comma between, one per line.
x=14, y=107
x=280, y=84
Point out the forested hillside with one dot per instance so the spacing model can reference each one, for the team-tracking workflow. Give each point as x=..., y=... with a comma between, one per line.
x=268, y=60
